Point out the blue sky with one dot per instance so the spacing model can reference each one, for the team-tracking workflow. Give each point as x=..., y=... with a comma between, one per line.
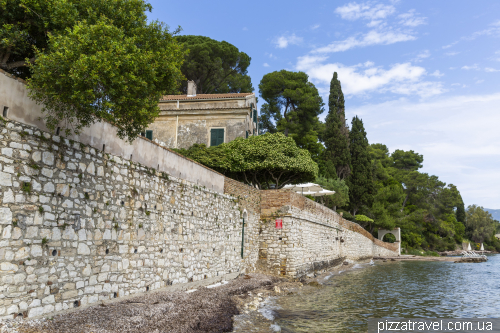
x=423, y=75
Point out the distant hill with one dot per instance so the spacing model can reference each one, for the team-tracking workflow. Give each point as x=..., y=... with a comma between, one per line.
x=494, y=212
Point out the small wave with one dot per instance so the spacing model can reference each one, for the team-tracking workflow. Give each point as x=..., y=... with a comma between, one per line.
x=328, y=276
x=275, y=328
x=372, y=263
x=357, y=266
x=267, y=309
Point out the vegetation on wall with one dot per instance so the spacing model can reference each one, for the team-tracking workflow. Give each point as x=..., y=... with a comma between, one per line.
x=260, y=161
x=90, y=60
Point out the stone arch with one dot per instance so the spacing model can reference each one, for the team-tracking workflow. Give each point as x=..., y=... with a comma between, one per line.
x=396, y=232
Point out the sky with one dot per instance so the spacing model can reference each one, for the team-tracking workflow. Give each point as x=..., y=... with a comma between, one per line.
x=423, y=75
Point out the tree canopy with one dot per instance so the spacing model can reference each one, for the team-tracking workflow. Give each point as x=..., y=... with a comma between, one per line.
x=91, y=60
x=480, y=225
x=336, y=134
x=292, y=107
x=259, y=161
x=360, y=181
x=215, y=67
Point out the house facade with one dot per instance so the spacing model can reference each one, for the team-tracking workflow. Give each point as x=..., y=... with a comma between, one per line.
x=209, y=119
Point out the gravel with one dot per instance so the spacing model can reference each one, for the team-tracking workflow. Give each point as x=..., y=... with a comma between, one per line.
x=204, y=310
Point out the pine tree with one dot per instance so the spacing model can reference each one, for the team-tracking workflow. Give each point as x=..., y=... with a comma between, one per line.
x=361, y=187
x=336, y=136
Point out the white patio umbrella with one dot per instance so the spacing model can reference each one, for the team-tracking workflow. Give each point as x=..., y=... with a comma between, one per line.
x=306, y=187
x=322, y=193
x=468, y=247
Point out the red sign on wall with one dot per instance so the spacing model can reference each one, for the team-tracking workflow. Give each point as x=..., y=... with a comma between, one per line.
x=279, y=224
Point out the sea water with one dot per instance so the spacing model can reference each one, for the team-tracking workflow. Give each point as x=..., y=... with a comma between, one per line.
x=404, y=289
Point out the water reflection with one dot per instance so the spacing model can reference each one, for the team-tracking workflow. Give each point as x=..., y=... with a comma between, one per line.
x=392, y=289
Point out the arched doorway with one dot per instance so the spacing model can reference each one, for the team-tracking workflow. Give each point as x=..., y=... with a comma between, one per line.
x=395, y=232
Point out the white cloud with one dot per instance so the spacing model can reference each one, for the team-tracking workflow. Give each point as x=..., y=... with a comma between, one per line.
x=285, y=40
x=411, y=19
x=245, y=29
x=437, y=73
x=402, y=79
x=451, y=53
x=491, y=70
x=266, y=64
x=367, y=11
x=373, y=37
x=479, y=81
x=449, y=45
x=422, y=55
x=458, y=147
x=314, y=27
x=475, y=66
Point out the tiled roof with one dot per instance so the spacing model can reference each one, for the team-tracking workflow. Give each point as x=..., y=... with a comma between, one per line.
x=204, y=96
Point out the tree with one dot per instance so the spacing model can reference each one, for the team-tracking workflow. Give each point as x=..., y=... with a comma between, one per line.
x=27, y=25
x=480, y=225
x=293, y=103
x=215, y=67
x=360, y=182
x=292, y=107
x=336, y=135
x=106, y=69
x=407, y=160
x=259, y=161
x=341, y=196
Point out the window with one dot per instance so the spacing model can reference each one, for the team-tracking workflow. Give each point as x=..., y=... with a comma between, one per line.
x=216, y=136
x=254, y=116
x=148, y=135
x=246, y=134
x=5, y=112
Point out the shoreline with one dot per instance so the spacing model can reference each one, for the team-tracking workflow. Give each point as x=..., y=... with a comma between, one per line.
x=214, y=308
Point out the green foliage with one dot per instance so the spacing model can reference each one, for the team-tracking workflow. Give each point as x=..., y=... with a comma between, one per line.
x=341, y=196
x=40, y=209
x=479, y=224
x=215, y=67
x=336, y=135
x=292, y=107
x=363, y=218
x=258, y=161
x=32, y=164
x=96, y=60
x=360, y=182
x=44, y=240
x=26, y=187
x=28, y=24
x=407, y=160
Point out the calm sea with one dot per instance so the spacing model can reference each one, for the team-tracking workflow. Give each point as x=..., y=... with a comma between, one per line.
x=383, y=290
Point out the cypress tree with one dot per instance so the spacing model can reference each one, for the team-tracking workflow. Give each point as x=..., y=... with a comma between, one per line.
x=336, y=136
x=361, y=187
x=460, y=212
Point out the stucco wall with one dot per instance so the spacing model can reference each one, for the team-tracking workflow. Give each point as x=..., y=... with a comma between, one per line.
x=102, y=136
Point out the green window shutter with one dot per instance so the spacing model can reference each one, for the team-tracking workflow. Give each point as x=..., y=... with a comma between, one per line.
x=149, y=135
x=216, y=136
x=254, y=116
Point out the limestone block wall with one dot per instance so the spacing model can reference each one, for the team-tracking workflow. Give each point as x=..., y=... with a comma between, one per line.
x=78, y=226
x=313, y=236
x=248, y=199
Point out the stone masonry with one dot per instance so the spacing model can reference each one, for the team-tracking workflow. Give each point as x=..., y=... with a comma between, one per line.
x=78, y=226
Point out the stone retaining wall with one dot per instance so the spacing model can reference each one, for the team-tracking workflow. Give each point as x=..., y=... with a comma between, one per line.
x=313, y=237
x=78, y=226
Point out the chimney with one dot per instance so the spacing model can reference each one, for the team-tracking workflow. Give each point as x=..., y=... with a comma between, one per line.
x=191, y=91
